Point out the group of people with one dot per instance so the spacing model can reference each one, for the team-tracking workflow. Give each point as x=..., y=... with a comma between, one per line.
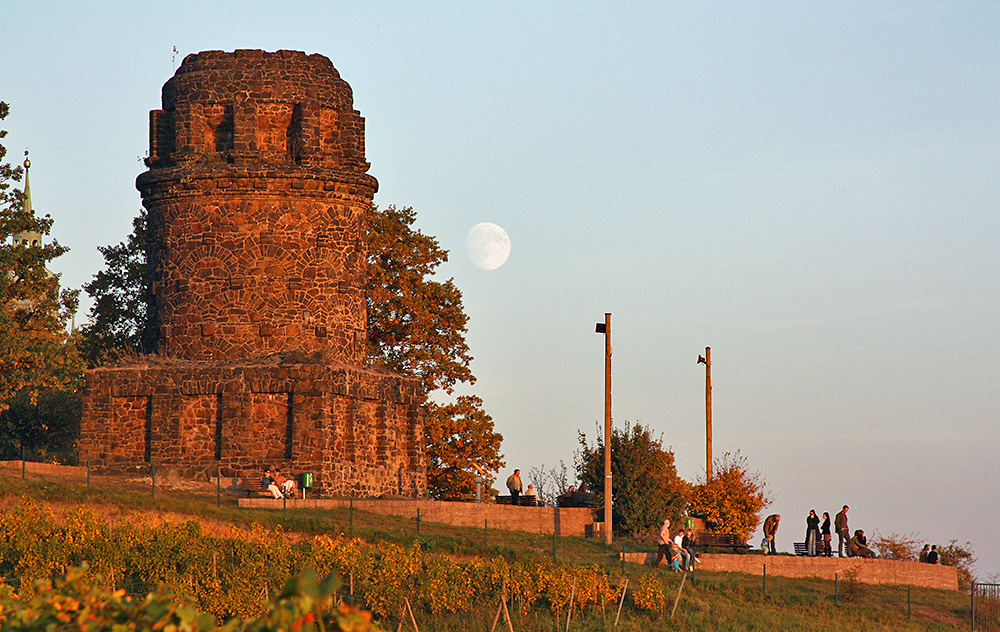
x=516, y=489
x=819, y=536
x=278, y=485
x=929, y=554
x=678, y=549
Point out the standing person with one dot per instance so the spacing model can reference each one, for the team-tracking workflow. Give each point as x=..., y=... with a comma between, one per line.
x=924, y=552
x=514, y=485
x=827, y=536
x=812, y=533
x=771, y=528
x=843, y=533
x=932, y=556
x=663, y=545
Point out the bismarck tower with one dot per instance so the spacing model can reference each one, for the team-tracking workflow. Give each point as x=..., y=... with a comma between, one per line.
x=256, y=196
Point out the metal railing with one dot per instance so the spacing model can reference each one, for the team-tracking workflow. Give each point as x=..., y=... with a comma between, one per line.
x=985, y=607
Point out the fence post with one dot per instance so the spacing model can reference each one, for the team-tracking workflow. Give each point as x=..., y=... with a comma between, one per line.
x=908, y=602
x=352, y=513
x=972, y=597
x=486, y=532
x=836, y=579
x=152, y=469
x=623, y=557
x=418, y=522
x=553, y=545
x=23, y=464
x=218, y=487
x=88, y=472
x=763, y=586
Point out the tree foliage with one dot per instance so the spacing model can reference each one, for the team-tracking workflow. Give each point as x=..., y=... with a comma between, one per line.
x=460, y=436
x=416, y=326
x=732, y=501
x=896, y=546
x=118, y=316
x=962, y=558
x=35, y=351
x=646, y=488
x=48, y=429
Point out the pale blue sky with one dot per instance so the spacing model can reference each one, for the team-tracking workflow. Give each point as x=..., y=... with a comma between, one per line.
x=811, y=189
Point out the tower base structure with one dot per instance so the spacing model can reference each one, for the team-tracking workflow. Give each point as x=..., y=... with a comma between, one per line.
x=357, y=430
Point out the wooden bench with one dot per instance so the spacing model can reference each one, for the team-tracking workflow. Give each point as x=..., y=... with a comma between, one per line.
x=707, y=540
x=252, y=486
x=801, y=548
x=576, y=499
x=522, y=501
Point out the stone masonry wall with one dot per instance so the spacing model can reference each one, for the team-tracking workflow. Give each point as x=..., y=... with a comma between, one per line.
x=868, y=571
x=357, y=430
x=545, y=520
x=256, y=196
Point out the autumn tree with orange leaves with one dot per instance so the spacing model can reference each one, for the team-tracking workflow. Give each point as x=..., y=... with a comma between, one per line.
x=732, y=500
x=35, y=351
x=416, y=326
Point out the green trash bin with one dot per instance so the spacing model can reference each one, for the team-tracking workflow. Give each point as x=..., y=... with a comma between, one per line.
x=306, y=482
x=689, y=523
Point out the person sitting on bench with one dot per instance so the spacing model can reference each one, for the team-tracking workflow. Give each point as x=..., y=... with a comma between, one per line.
x=287, y=486
x=268, y=483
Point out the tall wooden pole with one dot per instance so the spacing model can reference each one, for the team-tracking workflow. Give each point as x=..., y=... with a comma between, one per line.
x=708, y=413
x=607, y=428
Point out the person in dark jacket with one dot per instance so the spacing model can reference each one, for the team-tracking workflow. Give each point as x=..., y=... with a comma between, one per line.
x=812, y=533
x=932, y=557
x=843, y=533
x=771, y=528
x=827, y=536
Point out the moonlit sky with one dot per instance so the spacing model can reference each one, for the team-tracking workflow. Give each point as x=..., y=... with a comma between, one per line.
x=811, y=189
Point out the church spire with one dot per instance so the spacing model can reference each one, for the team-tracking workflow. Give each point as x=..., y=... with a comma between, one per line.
x=27, y=238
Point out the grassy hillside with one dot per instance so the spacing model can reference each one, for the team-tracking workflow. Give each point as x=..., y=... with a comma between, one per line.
x=179, y=536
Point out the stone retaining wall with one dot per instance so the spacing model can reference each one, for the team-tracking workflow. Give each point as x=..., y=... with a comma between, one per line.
x=545, y=520
x=868, y=571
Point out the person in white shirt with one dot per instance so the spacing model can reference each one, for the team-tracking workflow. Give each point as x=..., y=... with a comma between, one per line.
x=679, y=548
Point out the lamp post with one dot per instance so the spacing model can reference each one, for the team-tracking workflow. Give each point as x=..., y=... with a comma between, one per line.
x=707, y=361
x=605, y=328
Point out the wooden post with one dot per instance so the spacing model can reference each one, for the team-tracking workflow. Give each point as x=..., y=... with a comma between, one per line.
x=607, y=429
x=620, y=602
x=707, y=361
x=678, y=598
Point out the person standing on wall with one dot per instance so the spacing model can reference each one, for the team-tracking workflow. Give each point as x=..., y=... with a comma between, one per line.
x=843, y=533
x=827, y=536
x=771, y=528
x=812, y=533
x=514, y=486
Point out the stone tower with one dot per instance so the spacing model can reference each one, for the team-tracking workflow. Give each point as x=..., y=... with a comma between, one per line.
x=257, y=193
x=256, y=197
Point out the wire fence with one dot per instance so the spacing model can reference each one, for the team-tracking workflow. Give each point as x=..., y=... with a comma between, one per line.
x=985, y=607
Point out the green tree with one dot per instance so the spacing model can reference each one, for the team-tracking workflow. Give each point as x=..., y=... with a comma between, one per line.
x=732, y=501
x=48, y=429
x=417, y=326
x=121, y=301
x=35, y=351
x=646, y=488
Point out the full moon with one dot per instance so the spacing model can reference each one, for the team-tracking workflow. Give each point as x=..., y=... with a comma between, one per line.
x=487, y=245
